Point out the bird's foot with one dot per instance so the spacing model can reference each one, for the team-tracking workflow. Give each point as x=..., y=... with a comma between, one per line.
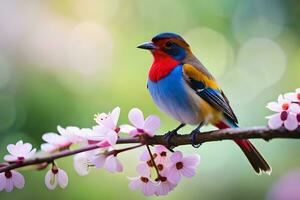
x=168, y=137
x=193, y=136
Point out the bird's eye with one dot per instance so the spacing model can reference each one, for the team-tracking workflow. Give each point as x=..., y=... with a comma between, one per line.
x=168, y=44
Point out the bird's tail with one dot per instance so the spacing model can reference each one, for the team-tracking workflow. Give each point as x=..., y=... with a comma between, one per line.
x=255, y=158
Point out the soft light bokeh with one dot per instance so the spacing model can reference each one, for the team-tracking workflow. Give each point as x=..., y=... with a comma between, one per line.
x=62, y=61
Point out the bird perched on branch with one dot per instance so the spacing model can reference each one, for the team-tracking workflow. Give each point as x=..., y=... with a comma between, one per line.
x=184, y=89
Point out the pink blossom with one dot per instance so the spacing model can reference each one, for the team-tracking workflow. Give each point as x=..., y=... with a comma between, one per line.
x=185, y=166
x=107, y=130
x=82, y=162
x=164, y=187
x=103, y=137
x=147, y=162
x=64, y=139
x=144, y=167
x=145, y=155
x=11, y=179
x=162, y=161
x=296, y=110
x=19, y=152
x=282, y=104
x=99, y=136
x=109, y=121
x=162, y=154
x=56, y=176
x=143, y=182
x=293, y=96
x=110, y=162
x=141, y=126
x=284, y=116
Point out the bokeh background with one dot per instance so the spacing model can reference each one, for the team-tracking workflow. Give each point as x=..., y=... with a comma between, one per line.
x=62, y=61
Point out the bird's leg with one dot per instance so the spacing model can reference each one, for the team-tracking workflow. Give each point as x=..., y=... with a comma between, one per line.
x=194, y=133
x=171, y=134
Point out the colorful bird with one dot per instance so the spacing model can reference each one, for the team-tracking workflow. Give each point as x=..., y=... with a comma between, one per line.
x=184, y=89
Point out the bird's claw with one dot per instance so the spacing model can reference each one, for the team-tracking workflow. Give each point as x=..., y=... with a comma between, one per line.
x=194, y=134
x=168, y=137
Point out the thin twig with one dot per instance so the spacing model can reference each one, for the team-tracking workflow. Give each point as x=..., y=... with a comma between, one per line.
x=153, y=161
x=117, y=151
x=264, y=133
x=51, y=158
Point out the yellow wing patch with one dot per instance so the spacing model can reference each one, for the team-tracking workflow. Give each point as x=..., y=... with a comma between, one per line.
x=196, y=74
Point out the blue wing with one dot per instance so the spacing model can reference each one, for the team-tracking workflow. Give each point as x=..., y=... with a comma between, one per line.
x=208, y=90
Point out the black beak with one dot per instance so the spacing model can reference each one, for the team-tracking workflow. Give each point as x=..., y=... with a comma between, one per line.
x=147, y=46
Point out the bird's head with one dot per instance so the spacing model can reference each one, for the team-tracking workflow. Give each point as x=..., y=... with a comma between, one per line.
x=167, y=44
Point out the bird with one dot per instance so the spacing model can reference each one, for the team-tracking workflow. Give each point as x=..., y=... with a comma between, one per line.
x=184, y=89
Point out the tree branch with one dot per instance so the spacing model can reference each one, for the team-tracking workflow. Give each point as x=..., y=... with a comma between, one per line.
x=178, y=140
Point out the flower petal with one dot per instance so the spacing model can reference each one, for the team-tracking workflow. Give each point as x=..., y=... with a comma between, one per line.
x=274, y=106
x=85, y=132
x=145, y=156
x=10, y=158
x=99, y=160
x=152, y=123
x=295, y=108
x=62, y=178
x=115, y=115
x=160, y=148
x=126, y=128
x=18, y=179
x=136, y=117
x=61, y=130
x=174, y=175
x=2, y=181
x=148, y=189
x=134, y=183
x=98, y=133
x=19, y=143
x=25, y=148
x=9, y=186
x=291, y=123
x=11, y=148
x=109, y=139
x=105, y=120
x=164, y=188
x=50, y=180
x=112, y=164
x=176, y=156
x=119, y=166
x=48, y=147
x=31, y=153
x=291, y=96
x=275, y=121
x=135, y=132
x=112, y=137
x=143, y=169
x=192, y=160
x=281, y=99
x=72, y=134
x=188, y=171
x=81, y=164
x=54, y=138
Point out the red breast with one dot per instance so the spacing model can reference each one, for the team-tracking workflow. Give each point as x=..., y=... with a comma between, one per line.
x=162, y=66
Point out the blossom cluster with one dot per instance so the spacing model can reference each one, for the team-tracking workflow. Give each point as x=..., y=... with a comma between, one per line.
x=287, y=110
x=168, y=166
